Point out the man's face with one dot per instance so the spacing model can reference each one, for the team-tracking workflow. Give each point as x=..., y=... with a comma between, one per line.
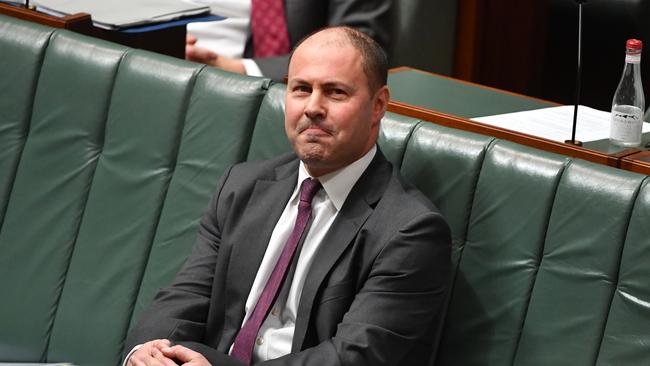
x=331, y=115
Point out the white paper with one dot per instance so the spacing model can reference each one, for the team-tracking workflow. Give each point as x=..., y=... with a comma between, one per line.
x=556, y=123
x=123, y=13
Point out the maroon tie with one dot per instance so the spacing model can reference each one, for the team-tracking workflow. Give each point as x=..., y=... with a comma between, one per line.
x=243, y=346
x=269, y=27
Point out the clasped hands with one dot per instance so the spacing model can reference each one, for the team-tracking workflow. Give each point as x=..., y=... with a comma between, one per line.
x=161, y=353
x=208, y=57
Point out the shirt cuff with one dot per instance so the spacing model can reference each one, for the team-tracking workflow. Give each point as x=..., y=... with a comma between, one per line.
x=126, y=359
x=251, y=67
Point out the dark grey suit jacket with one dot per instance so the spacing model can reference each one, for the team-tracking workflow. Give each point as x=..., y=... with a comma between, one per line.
x=374, y=295
x=306, y=16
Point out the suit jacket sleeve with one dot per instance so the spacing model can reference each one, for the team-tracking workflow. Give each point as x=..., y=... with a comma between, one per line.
x=304, y=17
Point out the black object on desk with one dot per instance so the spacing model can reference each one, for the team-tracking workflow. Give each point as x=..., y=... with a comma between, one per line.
x=578, y=78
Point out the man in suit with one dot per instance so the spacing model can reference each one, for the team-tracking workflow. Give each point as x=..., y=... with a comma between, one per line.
x=368, y=281
x=229, y=44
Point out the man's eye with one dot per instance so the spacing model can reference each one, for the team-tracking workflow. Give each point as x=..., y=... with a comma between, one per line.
x=301, y=89
x=338, y=93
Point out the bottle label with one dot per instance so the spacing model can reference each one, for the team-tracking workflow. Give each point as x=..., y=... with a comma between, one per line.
x=627, y=123
x=633, y=59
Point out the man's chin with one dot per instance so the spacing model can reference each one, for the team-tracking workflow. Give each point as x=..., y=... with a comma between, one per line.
x=312, y=158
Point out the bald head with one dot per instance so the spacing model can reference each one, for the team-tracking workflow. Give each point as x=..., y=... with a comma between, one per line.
x=373, y=57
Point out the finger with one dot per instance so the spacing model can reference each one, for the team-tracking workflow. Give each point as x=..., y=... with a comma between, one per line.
x=166, y=361
x=190, y=39
x=161, y=343
x=149, y=354
x=134, y=362
x=181, y=353
x=206, y=55
x=190, y=53
x=199, y=54
x=145, y=360
x=170, y=351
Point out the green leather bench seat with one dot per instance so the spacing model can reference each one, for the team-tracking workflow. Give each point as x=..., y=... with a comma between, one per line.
x=109, y=155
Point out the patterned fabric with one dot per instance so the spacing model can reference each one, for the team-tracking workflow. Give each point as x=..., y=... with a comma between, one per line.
x=245, y=341
x=269, y=28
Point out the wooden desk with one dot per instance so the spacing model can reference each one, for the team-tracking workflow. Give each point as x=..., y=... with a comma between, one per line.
x=638, y=162
x=451, y=102
x=168, y=41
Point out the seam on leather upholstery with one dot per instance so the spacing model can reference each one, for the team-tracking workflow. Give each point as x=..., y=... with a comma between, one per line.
x=416, y=126
x=540, y=255
x=486, y=150
x=27, y=125
x=644, y=182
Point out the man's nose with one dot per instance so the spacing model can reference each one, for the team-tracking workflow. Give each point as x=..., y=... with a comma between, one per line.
x=315, y=107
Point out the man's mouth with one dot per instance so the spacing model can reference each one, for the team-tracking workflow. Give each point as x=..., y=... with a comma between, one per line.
x=315, y=129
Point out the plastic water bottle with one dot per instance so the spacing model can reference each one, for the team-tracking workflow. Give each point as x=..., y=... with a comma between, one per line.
x=629, y=102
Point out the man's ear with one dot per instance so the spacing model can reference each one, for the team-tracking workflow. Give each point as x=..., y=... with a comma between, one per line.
x=380, y=103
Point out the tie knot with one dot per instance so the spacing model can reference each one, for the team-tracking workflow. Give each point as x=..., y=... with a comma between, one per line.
x=308, y=189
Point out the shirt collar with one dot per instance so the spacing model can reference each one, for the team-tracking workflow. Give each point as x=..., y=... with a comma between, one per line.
x=337, y=185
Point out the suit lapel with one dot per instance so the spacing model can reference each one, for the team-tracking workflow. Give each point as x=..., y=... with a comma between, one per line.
x=357, y=208
x=263, y=210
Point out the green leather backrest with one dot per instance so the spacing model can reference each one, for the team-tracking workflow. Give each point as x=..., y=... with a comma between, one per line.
x=49, y=192
x=449, y=176
x=137, y=160
x=542, y=273
x=22, y=48
x=626, y=336
x=496, y=263
x=579, y=265
x=217, y=131
x=268, y=138
x=394, y=134
x=122, y=151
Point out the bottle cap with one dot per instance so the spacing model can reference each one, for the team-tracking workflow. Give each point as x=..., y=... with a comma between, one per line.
x=634, y=44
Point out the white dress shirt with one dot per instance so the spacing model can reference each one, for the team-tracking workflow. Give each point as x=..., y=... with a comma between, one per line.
x=276, y=333
x=226, y=37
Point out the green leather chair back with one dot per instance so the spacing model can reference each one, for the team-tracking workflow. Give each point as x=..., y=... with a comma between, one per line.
x=626, y=337
x=548, y=253
x=269, y=138
x=217, y=131
x=114, y=155
x=22, y=48
x=50, y=188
